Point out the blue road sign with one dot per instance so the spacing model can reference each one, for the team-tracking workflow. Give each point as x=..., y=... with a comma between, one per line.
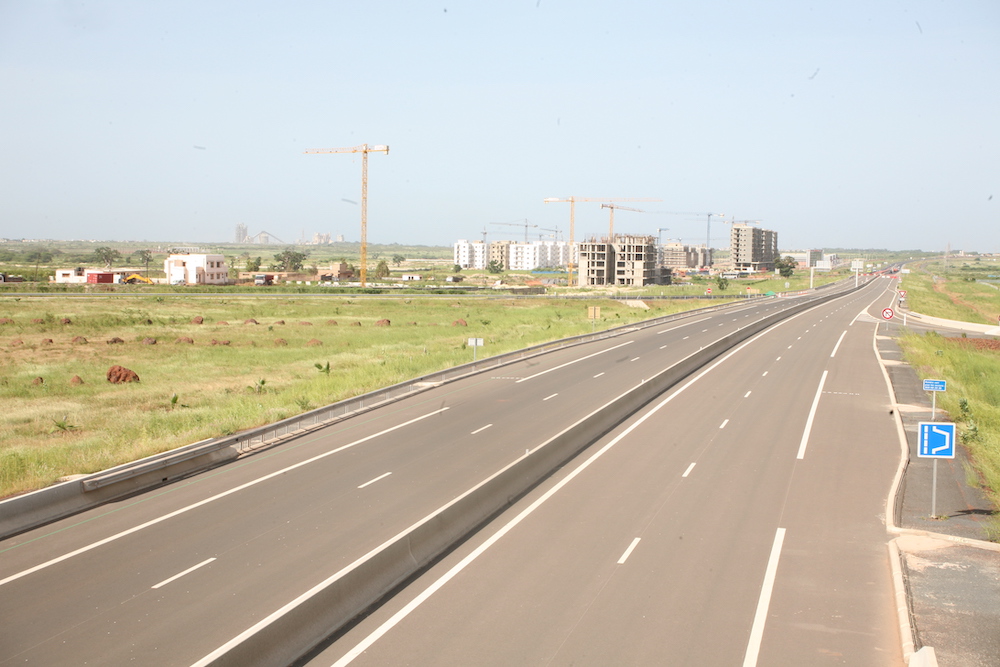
x=935, y=385
x=936, y=440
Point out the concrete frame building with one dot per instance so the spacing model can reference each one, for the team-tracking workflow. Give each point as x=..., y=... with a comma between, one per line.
x=676, y=255
x=624, y=260
x=752, y=249
x=513, y=255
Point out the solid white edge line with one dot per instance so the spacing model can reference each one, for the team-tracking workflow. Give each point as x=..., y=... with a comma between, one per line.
x=480, y=430
x=688, y=471
x=181, y=574
x=760, y=617
x=812, y=414
x=368, y=483
x=376, y=634
x=206, y=501
x=550, y=396
x=569, y=363
x=837, y=346
x=628, y=552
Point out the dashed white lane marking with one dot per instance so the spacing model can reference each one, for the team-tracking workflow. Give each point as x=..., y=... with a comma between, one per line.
x=481, y=429
x=812, y=415
x=688, y=471
x=837, y=346
x=634, y=359
x=550, y=396
x=723, y=424
x=372, y=481
x=599, y=374
x=760, y=617
x=747, y=394
x=569, y=363
x=628, y=552
x=181, y=574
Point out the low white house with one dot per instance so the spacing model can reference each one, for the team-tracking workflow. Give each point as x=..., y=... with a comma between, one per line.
x=196, y=269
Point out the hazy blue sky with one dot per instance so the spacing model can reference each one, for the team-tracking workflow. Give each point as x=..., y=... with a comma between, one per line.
x=838, y=124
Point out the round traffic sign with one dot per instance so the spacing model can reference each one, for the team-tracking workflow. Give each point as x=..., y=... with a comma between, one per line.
x=887, y=313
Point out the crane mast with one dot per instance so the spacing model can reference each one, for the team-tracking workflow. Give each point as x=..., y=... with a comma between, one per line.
x=364, y=149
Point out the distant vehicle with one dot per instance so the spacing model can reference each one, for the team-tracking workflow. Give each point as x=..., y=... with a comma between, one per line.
x=5, y=278
x=263, y=279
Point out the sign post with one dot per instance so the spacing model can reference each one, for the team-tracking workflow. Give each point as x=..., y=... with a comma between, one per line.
x=887, y=315
x=593, y=314
x=475, y=343
x=935, y=440
x=934, y=386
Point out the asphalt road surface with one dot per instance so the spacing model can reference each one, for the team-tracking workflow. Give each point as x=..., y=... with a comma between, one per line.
x=169, y=576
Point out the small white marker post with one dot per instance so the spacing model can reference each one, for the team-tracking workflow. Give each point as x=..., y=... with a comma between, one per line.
x=475, y=343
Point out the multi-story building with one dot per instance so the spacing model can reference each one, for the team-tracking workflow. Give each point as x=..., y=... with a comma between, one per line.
x=676, y=255
x=622, y=260
x=513, y=255
x=196, y=269
x=752, y=249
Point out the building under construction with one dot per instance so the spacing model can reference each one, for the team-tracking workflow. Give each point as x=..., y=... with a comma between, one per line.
x=752, y=249
x=621, y=260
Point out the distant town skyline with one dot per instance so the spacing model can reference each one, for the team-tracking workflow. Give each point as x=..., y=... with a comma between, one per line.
x=843, y=125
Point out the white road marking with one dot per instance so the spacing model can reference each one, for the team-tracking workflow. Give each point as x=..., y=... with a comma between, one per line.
x=569, y=363
x=599, y=374
x=379, y=632
x=765, y=373
x=760, y=617
x=812, y=415
x=181, y=574
x=723, y=424
x=382, y=476
x=662, y=346
x=685, y=337
x=682, y=325
x=628, y=552
x=688, y=471
x=550, y=396
x=218, y=496
x=635, y=359
x=778, y=359
x=837, y=346
x=747, y=394
x=481, y=429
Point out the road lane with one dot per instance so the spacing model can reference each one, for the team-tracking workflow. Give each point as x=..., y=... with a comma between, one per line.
x=553, y=591
x=270, y=539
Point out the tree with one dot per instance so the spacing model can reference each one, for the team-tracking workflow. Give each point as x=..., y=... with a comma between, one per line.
x=786, y=266
x=494, y=266
x=457, y=268
x=382, y=269
x=253, y=265
x=289, y=260
x=398, y=259
x=722, y=283
x=144, y=256
x=106, y=256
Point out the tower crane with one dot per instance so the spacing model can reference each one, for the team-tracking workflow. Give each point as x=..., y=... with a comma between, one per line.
x=659, y=235
x=364, y=149
x=572, y=207
x=611, y=224
x=524, y=224
x=555, y=232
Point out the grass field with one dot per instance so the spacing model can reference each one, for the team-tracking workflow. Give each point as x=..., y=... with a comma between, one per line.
x=235, y=375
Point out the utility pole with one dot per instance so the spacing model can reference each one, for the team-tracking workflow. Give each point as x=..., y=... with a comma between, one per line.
x=364, y=149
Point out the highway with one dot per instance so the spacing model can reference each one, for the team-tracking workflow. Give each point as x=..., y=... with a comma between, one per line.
x=657, y=552
x=174, y=575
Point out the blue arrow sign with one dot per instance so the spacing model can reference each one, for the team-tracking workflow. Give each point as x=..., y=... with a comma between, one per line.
x=935, y=440
x=935, y=385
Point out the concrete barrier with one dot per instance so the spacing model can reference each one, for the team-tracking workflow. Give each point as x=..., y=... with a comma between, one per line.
x=293, y=630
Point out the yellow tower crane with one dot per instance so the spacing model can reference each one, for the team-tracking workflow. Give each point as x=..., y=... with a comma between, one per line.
x=572, y=207
x=611, y=225
x=364, y=149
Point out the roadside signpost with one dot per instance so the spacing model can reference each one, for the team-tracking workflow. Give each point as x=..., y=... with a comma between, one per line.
x=934, y=386
x=887, y=313
x=935, y=440
x=475, y=343
x=593, y=314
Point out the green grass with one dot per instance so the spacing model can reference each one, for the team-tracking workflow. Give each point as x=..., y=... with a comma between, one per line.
x=972, y=399
x=56, y=428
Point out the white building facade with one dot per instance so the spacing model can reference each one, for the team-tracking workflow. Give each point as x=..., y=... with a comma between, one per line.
x=515, y=256
x=196, y=269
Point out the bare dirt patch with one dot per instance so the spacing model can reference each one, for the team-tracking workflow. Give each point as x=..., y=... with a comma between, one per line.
x=991, y=344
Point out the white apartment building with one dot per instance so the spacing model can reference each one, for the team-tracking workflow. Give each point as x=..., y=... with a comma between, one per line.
x=514, y=255
x=470, y=254
x=196, y=269
x=676, y=255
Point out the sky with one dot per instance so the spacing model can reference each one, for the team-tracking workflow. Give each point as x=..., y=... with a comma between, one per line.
x=850, y=124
